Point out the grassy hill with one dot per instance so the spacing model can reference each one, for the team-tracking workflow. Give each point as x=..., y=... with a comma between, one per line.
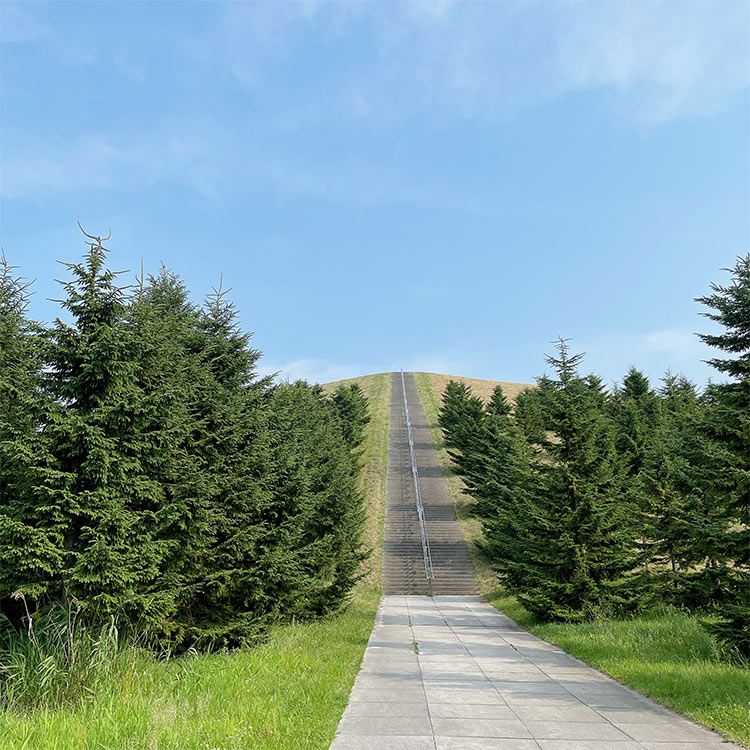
x=481, y=388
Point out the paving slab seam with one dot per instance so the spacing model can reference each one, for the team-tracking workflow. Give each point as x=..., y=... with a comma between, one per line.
x=421, y=675
x=523, y=656
x=510, y=708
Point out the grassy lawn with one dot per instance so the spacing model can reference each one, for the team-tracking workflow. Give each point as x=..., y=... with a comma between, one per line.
x=285, y=694
x=289, y=692
x=665, y=655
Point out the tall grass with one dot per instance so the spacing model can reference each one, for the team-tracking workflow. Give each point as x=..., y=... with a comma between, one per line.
x=55, y=661
x=286, y=693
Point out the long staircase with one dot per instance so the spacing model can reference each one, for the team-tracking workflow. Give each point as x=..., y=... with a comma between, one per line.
x=419, y=559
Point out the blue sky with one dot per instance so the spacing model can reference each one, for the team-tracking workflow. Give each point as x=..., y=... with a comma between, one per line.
x=445, y=186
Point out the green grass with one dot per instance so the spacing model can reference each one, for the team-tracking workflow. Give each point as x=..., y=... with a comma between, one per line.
x=289, y=692
x=665, y=655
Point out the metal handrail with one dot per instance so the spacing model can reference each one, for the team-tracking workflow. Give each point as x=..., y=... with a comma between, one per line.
x=428, y=569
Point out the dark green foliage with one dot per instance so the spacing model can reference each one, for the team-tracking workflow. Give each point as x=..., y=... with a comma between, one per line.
x=352, y=409
x=633, y=408
x=575, y=544
x=321, y=527
x=461, y=415
x=487, y=463
x=549, y=489
x=114, y=547
x=672, y=502
x=31, y=527
x=729, y=425
x=533, y=410
x=148, y=475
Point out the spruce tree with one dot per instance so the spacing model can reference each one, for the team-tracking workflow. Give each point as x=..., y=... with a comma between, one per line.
x=113, y=550
x=351, y=406
x=461, y=416
x=31, y=528
x=633, y=408
x=314, y=525
x=574, y=535
x=484, y=467
x=671, y=497
x=533, y=409
x=729, y=426
x=226, y=600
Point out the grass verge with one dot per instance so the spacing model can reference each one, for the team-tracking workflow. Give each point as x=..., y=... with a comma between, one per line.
x=665, y=655
x=287, y=693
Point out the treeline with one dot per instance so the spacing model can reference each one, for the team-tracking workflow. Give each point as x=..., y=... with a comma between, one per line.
x=597, y=503
x=148, y=474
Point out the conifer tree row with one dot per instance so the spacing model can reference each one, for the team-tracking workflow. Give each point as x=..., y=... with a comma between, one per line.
x=600, y=503
x=148, y=474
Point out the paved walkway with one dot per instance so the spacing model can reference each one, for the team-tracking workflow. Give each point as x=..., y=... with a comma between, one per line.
x=453, y=673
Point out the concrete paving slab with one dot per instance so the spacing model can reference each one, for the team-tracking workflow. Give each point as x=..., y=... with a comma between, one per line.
x=714, y=745
x=375, y=742
x=484, y=743
x=398, y=725
x=386, y=710
x=446, y=698
x=557, y=713
x=460, y=694
x=588, y=745
x=371, y=695
x=448, y=727
x=472, y=711
x=575, y=730
x=672, y=731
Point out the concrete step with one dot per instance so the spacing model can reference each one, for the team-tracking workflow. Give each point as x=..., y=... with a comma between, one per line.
x=403, y=557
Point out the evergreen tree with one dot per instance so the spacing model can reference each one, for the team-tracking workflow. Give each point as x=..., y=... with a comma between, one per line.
x=633, y=409
x=529, y=416
x=351, y=406
x=112, y=547
x=574, y=535
x=147, y=473
x=461, y=416
x=729, y=426
x=485, y=467
x=224, y=594
x=533, y=409
x=314, y=525
x=498, y=405
x=30, y=525
x=670, y=490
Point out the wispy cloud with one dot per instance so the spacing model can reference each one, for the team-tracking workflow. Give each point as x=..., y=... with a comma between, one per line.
x=659, y=60
x=442, y=61
x=655, y=60
x=216, y=163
